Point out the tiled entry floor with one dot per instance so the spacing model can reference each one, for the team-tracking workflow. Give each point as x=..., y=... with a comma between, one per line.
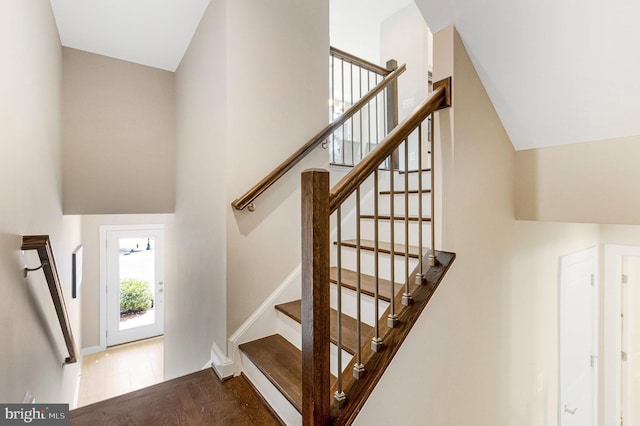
x=120, y=369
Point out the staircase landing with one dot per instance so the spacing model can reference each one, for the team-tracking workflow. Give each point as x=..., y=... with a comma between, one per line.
x=196, y=399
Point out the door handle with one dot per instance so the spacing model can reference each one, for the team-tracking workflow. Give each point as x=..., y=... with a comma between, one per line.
x=569, y=410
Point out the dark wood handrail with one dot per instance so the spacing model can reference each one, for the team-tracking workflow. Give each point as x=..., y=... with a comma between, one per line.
x=440, y=98
x=362, y=63
x=42, y=245
x=242, y=202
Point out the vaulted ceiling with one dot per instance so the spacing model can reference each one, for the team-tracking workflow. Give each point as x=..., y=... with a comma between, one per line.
x=557, y=72
x=148, y=32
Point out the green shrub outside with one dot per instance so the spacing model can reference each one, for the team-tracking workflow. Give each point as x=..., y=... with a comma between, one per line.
x=135, y=296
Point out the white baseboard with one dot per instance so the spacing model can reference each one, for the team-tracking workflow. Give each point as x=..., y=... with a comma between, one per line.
x=91, y=350
x=76, y=392
x=222, y=364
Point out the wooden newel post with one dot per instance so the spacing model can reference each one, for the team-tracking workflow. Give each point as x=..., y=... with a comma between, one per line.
x=316, y=398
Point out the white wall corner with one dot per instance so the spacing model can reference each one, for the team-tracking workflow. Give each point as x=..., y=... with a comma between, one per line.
x=222, y=364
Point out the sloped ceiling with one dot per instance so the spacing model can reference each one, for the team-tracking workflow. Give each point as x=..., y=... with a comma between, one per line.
x=355, y=25
x=156, y=33
x=557, y=72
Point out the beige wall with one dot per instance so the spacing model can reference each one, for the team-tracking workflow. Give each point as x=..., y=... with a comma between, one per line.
x=591, y=182
x=278, y=55
x=485, y=350
x=31, y=194
x=251, y=89
x=532, y=322
x=119, y=136
x=625, y=235
x=201, y=122
x=407, y=24
x=90, y=295
x=451, y=368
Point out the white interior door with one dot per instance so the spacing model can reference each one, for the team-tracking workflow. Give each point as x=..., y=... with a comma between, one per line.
x=135, y=284
x=578, y=339
x=630, y=339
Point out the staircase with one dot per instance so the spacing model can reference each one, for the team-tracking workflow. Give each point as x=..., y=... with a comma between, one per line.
x=367, y=271
x=369, y=264
x=274, y=363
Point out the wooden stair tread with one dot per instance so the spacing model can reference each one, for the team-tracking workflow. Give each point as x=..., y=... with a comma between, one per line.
x=383, y=247
x=281, y=363
x=401, y=192
x=349, y=325
x=367, y=283
x=396, y=217
x=424, y=170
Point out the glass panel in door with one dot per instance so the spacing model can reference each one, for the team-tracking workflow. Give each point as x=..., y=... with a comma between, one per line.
x=135, y=290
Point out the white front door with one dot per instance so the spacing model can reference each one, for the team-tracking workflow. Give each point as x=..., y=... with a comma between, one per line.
x=630, y=339
x=578, y=339
x=135, y=284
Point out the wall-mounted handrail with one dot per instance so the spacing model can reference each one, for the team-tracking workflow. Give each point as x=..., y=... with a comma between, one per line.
x=440, y=98
x=42, y=244
x=348, y=57
x=248, y=198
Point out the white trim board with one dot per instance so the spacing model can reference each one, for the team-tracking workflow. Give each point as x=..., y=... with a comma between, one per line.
x=613, y=255
x=222, y=364
x=91, y=350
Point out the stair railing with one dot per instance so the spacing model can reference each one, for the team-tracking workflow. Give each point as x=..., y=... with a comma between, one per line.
x=350, y=78
x=42, y=245
x=318, y=204
x=335, y=130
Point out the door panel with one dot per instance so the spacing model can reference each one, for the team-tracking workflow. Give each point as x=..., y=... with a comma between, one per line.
x=135, y=285
x=578, y=346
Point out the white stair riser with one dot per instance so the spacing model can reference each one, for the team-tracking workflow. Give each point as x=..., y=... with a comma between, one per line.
x=367, y=261
x=270, y=393
x=349, y=304
x=398, y=181
x=367, y=231
x=384, y=205
x=292, y=331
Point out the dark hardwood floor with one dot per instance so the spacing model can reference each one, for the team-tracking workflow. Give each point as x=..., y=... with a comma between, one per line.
x=196, y=399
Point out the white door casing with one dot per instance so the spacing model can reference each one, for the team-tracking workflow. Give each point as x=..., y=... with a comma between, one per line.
x=612, y=331
x=578, y=339
x=630, y=341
